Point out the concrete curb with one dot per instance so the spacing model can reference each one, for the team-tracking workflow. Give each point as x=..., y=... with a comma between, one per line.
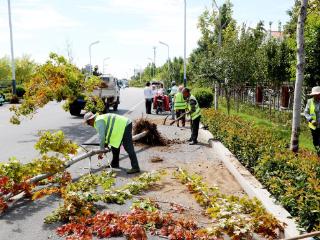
x=252, y=186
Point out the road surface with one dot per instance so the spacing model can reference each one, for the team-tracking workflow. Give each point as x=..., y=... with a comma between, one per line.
x=18, y=140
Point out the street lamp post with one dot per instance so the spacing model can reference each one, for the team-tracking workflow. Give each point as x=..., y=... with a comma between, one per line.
x=91, y=44
x=167, y=45
x=14, y=91
x=105, y=59
x=185, y=45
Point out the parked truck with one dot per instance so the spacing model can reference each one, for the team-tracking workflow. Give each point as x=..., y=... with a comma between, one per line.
x=109, y=92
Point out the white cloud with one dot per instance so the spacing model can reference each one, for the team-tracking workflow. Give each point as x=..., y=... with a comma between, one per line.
x=36, y=15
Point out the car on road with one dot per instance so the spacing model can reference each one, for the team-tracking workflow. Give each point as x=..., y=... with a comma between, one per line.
x=2, y=99
x=109, y=92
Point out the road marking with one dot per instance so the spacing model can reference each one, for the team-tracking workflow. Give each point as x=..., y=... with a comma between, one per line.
x=134, y=107
x=90, y=140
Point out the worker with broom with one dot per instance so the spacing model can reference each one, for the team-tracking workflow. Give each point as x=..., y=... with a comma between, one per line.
x=195, y=114
x=113, y=131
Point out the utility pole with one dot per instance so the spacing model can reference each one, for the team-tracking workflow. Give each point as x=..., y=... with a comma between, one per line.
x=185, y=46
x=13, y=71
x=154, y=61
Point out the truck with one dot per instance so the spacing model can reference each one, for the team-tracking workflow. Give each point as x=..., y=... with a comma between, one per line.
x=109, y=92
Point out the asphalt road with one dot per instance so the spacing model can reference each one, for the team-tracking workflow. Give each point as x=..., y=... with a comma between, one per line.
x=25, y=220
x=18, y=140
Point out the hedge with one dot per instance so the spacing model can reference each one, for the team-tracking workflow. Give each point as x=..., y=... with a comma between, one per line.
x=294, y=180
x=204, y=96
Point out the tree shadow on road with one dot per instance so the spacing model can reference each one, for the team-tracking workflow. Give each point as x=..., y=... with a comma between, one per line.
x=25, y=208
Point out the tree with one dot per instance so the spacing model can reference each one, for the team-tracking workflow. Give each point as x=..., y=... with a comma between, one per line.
x=25, y=69
x=58, y=80
x=4, y=68
x=299, y=76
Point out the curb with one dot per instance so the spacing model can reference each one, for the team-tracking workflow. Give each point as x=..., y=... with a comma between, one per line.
x=252, y=186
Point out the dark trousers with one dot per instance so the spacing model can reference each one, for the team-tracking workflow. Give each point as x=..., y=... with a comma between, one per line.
x=316, y=139
x=195, y=129
x=179, y=112
x=148, y=105
x=128, y=146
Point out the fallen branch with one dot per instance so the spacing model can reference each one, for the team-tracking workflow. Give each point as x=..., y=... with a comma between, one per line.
x=46, y=175
x=303, y=236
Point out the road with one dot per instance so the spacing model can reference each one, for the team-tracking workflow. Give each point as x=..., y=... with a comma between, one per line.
x=26, y=220
x=18, y=140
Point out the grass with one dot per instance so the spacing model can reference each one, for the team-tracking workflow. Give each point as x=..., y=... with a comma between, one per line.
x=284, y=131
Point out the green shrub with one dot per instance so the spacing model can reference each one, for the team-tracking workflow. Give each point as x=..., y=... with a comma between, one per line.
x=204, y=96
x=136, y=83
x=20, y=91
x=292, y=179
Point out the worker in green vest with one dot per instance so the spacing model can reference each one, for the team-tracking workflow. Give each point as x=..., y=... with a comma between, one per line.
x=195, y=114
x=312, y=114
x=180, y=106
x=113, y=131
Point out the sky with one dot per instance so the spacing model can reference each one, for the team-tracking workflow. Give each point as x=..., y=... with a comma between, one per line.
x=127, y=30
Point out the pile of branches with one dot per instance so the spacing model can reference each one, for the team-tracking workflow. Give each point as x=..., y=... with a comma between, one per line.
x=153, y=138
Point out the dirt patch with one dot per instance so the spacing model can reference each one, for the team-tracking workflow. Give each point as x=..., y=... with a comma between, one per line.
x=216, y=175
x=174, y=197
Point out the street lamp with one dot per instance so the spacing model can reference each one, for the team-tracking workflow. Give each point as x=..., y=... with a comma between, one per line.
x=91, y=44
x=185, y=45
x=165, y=44
x=12, y=55
x=105, y=59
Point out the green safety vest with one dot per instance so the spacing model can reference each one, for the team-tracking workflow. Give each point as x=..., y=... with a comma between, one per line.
x=179, y=102
x=197, y=113
x=312, y=114
x=115, y=127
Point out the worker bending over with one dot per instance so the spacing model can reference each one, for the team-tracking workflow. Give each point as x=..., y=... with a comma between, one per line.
x=113, y=131
x=195, y=114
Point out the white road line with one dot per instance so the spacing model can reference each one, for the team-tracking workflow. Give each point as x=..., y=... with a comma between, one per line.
x=90, y=140
x=134, y=107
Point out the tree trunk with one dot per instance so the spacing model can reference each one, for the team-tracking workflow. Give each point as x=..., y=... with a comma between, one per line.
x=228, y=99
x=216, y=96
x=296, y=117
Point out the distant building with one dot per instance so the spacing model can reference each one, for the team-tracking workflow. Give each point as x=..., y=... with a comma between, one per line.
x=277, y=34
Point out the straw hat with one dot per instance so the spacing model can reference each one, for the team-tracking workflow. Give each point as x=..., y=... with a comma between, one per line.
x=315, y=91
